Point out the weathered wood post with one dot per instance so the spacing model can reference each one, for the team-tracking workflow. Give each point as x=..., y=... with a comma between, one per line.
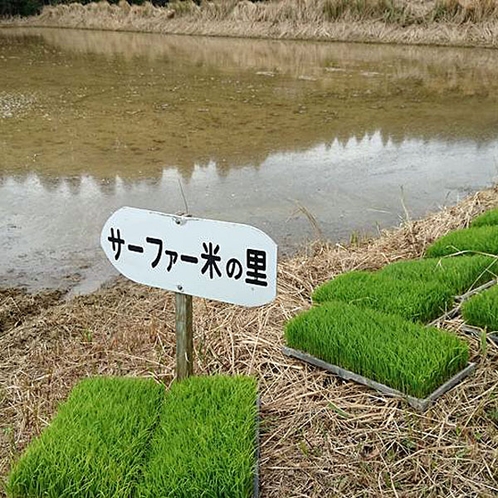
x=184, y=336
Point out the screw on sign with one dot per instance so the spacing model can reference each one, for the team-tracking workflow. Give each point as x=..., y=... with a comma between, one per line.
x=217, y=260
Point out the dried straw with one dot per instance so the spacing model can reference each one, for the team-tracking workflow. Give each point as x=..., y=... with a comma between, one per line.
x=443, y=22
x=321, y=436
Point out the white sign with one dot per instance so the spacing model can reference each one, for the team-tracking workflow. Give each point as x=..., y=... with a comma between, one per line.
x=213, y=259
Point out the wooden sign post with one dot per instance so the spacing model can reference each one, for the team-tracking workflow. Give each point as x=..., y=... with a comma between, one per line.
x=213, y=259
x=184, y=336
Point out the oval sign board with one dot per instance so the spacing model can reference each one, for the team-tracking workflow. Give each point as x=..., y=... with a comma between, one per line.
x=217, y=260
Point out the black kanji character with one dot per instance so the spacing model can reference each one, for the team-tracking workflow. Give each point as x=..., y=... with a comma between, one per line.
x=210, y=255
x=173, y=257
x=159, y=243
x=234, y=268
x=256, y=264
x=116, y=242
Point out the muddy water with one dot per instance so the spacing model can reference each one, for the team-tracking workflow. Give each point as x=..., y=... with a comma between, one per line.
x=253, y=131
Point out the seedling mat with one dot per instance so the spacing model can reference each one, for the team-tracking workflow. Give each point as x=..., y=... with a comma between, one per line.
x=417, y=403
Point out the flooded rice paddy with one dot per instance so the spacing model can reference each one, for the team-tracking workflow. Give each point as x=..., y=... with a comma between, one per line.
x=253, y=131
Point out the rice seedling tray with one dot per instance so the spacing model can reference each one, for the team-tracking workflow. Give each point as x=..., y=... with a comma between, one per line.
x=474, y=240
x=477, y=290
x=476, y=332
x=205, y=442
x=456, y=310
x=128, y=458
x=417, y=403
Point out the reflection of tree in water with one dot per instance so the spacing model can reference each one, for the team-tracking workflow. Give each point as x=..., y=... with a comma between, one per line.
x=142, y=103
x=106, y=185
x=248, y=153
x=218, y=168
x=50, y=183
x=73, y=183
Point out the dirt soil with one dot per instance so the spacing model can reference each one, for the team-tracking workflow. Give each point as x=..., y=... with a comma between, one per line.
x=321, y=436
x=17, y=306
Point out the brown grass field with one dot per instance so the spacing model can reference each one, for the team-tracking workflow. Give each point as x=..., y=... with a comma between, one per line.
x=320, y=436
x=441, y=22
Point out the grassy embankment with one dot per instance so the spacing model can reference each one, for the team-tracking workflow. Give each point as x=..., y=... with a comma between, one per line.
x=444, y=22
x=320, y=436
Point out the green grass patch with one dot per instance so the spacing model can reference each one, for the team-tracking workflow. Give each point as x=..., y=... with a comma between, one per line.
x=386, y=348
x=481, y=239
x=481, y=310
x=95, y=445
x=412, y=300
x=205, y=441
x=458, y=274
x=488, y=218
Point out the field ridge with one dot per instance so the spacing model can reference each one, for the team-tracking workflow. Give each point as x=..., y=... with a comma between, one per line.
x=435, y=22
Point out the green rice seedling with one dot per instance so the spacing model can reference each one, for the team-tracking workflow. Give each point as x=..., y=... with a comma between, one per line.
x=483, y=239
x=205, y=443
x=95, y=445
x=385, y=348
x=412, y=300
x=488, y=218
x=481, y=310
x=458, y=274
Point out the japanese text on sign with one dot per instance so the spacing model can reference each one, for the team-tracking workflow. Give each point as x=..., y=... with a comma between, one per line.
x=207, y=258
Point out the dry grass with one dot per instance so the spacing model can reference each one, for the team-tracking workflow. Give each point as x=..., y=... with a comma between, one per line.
x=443, y=22
x=320, y=436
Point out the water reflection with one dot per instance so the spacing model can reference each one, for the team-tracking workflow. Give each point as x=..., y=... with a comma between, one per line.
x=54, y=224
x=134, y=104
x=91, y=121
x=452, y=68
